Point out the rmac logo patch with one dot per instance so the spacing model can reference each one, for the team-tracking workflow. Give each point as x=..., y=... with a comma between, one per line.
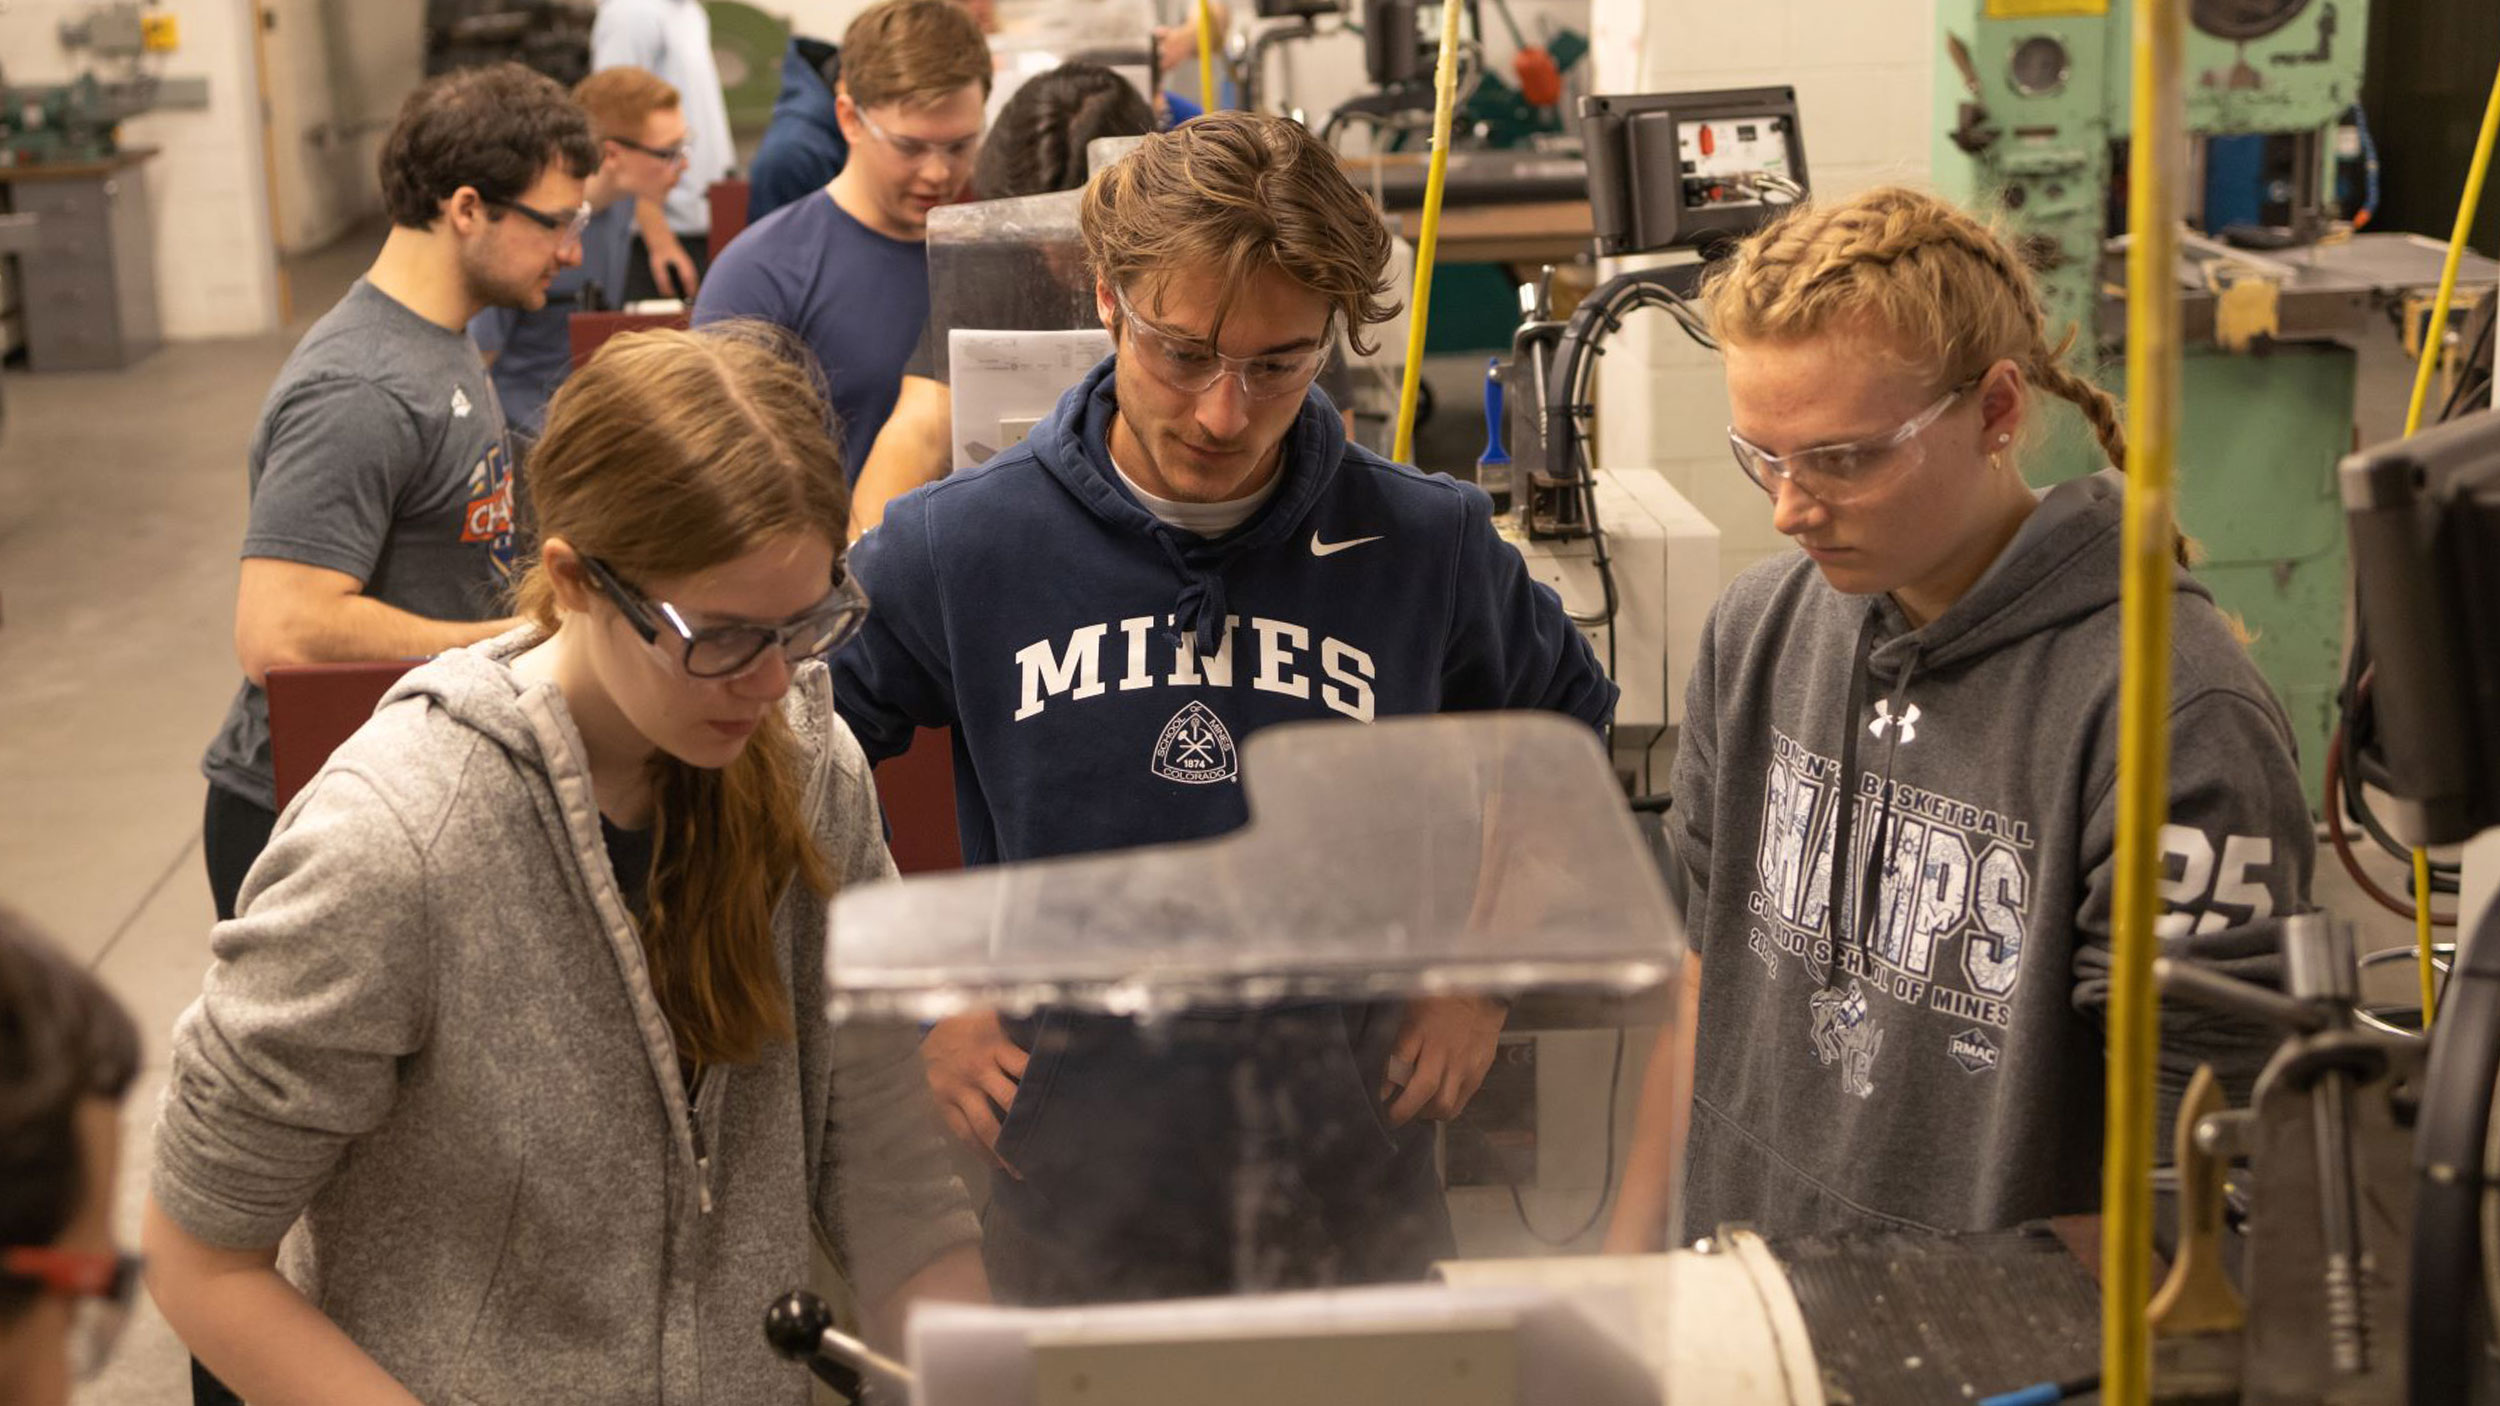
x=1974, y=1051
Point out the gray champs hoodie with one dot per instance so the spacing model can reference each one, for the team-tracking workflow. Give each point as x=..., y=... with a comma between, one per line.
x=1940, y=1067
x=429, y=1056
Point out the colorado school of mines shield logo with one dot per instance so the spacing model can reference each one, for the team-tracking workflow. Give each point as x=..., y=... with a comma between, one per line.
x=1195, y=749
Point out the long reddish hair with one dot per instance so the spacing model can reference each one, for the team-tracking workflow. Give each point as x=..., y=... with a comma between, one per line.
x=671, y=452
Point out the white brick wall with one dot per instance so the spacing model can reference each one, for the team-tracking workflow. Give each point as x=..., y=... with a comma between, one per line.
x=216, y=267
x=1863, y=70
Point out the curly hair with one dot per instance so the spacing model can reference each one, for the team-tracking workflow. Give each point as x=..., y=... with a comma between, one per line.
x=1239, y=193
x=493, y=129
x=1038, y=143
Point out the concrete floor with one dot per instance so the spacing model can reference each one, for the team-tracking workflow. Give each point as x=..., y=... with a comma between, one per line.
x=121, y=502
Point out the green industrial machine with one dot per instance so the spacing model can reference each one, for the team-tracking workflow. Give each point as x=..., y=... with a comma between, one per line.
x=2032, y=107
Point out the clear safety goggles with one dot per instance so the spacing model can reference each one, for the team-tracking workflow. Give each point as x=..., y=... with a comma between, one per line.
x=913, y=150
x=1835, y=473
x=1190, y=366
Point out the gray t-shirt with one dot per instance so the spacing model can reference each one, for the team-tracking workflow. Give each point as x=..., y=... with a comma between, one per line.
x=381, y=453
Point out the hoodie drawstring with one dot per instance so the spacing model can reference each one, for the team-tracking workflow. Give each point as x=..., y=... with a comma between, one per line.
x=1201, y=609
x=1860, y=673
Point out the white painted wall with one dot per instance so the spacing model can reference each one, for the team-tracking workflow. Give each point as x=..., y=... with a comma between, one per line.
x=1863, y=70
x=216, y=270
x=338, y=71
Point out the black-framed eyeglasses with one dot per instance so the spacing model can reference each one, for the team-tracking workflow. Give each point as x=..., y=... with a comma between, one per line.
x=568, y=227
x=670, y=154
x=721, y=651
x=101, y=1284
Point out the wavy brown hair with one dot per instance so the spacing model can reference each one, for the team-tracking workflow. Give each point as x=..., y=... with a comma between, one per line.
x=1240, y=193
x=669, y=453
x=1948, y=291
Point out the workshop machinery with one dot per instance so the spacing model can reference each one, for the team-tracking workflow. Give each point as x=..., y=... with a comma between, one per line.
x=1635, y=563
x=78, y=120
x=2032, y=119
x=2336, y=1238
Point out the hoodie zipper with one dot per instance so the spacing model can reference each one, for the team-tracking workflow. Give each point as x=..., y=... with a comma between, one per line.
x=702, y=1148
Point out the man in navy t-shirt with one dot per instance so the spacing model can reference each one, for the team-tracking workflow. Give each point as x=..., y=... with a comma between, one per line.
x=1185, y=551
x=642, y=147
x=848, y=271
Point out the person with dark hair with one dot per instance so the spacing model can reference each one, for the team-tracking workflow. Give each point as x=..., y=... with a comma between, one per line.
x=67, y=1055
x=848, y=269
x=518, y=1043
x=642, y=145
x=381, y=476
x=1037, y=147
x=1039, y=141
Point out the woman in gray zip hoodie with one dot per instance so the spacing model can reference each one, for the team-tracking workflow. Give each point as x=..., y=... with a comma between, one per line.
x=1910, y=1037
x=510, y=1083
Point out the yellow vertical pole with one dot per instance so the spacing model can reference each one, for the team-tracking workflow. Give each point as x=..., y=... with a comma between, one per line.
x=1428, y=236
x=2144, y=698
x=1206, y=58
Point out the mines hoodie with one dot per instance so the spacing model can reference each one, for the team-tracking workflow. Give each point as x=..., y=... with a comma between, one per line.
x=1101, y=669
x=1940, y=1067
x=428, y=1056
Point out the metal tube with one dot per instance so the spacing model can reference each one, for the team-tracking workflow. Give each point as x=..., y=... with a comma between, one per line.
x=1428, y=238
x=2153, y=367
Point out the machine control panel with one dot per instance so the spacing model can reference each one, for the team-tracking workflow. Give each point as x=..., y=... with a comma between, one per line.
x=1722, y=159
x=1679, y=170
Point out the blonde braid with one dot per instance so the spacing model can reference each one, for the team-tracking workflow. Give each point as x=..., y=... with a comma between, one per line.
x=1945, y=286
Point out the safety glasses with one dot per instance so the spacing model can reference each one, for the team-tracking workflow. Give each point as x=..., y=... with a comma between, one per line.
x=724, y=651
x=567, y=227
x=1835, y=473
x=958, y=152
x=1190, y=366
x=670, y=154
x=100, y=1285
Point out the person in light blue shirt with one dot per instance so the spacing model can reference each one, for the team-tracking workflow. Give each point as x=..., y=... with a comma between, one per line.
x=641, y=128
x=673, y=38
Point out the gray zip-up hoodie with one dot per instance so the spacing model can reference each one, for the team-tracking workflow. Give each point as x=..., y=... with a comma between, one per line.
x=1940, y=1067
x=429, y=1056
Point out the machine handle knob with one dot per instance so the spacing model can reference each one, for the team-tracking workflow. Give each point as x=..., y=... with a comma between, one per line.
x=1494, y=450
x=795, y=1325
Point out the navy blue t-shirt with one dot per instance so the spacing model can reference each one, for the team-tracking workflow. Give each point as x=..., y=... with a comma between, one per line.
x=856, y=297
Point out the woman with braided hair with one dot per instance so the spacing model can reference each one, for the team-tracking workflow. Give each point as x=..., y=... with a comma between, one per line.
x=1911, y=1038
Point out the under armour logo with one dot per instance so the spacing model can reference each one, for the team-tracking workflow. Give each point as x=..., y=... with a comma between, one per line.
x=1907, y=722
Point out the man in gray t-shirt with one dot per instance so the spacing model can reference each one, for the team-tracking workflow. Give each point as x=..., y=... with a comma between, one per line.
x=382, y=479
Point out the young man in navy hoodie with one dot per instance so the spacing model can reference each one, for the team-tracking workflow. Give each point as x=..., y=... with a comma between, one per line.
x=1188, y=550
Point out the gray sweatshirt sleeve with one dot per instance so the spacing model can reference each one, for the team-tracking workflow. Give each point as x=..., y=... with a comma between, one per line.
x=320, y=986
x=1689, y=785
x=889, y=1196
x=2238, y=847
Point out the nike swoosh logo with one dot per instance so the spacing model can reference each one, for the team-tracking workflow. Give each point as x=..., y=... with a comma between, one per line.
x=1330, y=549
